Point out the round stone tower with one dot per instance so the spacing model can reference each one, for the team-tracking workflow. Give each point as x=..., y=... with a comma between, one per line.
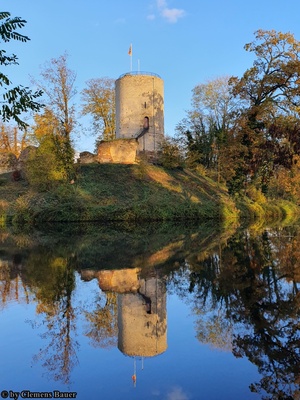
x=140, y=109
x=142, y=319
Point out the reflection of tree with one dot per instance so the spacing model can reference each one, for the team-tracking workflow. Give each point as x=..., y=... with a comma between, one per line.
x=52, y=280
x=251, y=287
x=268, y=309
x=215, y=329
x=103, y=322
x=11, y=284
x=59, y=357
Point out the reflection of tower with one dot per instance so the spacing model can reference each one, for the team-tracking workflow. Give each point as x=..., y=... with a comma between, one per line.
x=142, y=319
x=140, y=109
x=142, y=313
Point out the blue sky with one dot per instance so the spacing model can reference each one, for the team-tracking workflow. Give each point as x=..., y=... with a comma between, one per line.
x=186, y=42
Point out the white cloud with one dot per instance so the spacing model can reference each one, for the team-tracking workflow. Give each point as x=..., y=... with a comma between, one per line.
x=151, y=17
x=171, y=15
x=177, y=394
x=161, y=3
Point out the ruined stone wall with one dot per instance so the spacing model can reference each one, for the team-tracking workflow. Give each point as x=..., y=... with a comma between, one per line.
x=122, y=151
x=120, y=281
x=140, y=96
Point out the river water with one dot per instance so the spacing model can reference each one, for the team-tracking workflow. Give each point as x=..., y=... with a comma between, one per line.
x=150, y=312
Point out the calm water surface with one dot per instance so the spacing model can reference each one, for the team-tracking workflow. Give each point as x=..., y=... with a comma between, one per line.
x=154, y=312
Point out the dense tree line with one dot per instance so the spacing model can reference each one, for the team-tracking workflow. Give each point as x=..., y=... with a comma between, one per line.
x=245, y=131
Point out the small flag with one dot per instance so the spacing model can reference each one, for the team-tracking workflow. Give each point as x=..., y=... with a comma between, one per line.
x=130, y=50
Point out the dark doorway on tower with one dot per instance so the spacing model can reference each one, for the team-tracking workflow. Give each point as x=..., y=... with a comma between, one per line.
x=146, y=123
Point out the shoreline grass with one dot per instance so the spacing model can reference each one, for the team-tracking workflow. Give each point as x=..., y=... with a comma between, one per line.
x=115, y=192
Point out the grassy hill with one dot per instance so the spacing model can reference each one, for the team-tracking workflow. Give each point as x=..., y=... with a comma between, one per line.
x=103, y=192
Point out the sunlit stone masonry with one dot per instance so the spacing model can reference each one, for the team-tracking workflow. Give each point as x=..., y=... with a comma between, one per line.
x=142, y=319
x=139, y=120
x=142, y=309
x=140, y=109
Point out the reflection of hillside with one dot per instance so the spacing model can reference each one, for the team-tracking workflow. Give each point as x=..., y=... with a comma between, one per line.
x=30, y=260
x=154, y=247
x=114, y=247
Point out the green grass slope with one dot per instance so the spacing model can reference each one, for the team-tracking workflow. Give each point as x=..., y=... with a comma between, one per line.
x=114, y=192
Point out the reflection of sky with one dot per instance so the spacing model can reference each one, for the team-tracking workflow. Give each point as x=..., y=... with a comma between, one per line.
x=187, y=370
x=196, y=368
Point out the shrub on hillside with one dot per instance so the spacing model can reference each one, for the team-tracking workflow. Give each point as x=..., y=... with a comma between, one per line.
x=170, y=156
x=43, y=169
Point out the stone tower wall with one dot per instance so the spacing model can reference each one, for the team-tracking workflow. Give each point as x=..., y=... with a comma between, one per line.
x=142, y=328
x=140, y=96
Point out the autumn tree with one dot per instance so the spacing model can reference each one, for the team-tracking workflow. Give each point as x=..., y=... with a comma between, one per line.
x=45, y=168
x=58, y=85
x=205, y=131
x=13, y=139
x=273, y=81
x=99, y=102
x=15, y=100
x=270, y=90
x=214, y=102
x=247, y=129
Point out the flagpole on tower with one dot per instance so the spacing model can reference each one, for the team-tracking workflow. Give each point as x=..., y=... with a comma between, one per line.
x=130, y=55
